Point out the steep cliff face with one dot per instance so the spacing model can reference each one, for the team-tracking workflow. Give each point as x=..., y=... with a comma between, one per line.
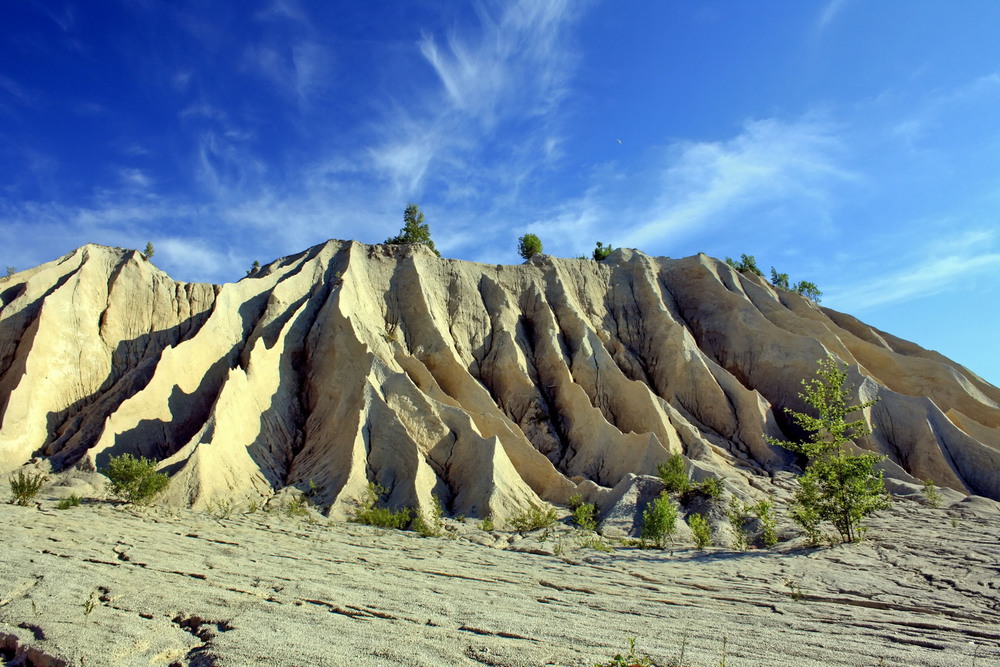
x=489, y=386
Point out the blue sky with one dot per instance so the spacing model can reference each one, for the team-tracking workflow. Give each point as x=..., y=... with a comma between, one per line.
x=854, y=144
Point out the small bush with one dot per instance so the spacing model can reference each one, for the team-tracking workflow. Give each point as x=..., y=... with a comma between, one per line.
x=674, y=474
x=575, y=501
x=738, y=514
x=529, y=245
x=135, y=480
x=597, y=544
x=297, y=506
x=66, y=503
x=222, y=508
x=769, y=525
x=25, y=486
x=486, y=525
x=630, y=660
x=931, y=493
x=602, y=251
x=383, y=517
x=747, y=264
x=659, y=520
x=434, y=527
x=701, y=530
x=779, y=279
x=808, y=290
x=710, y=488
x=585, y=516
x=533, y=518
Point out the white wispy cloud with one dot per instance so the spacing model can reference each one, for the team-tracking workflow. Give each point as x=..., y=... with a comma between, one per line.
x=946, y=264
x=227, y=166
x=925, y=115
x=770, y=160
x=293, y=60
x=285, y=9
x=829, y=13
x=135, y=177
x=517, y=64
x=197, y=258
x=515, y=67
x=19, y=93
x=300, y=70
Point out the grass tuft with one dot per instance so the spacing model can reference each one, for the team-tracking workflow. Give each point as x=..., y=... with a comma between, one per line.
x=533, y=518
x=66, y=503
x=25, y=486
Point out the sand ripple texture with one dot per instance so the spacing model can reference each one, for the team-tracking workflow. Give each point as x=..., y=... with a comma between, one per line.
x=104, y=585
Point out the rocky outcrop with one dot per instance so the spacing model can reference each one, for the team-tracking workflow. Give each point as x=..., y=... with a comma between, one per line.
x=491, y=387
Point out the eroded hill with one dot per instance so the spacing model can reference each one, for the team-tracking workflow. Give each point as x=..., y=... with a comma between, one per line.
x=491, y=387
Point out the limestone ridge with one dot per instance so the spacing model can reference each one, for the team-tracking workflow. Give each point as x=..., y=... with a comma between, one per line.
x=490, y=386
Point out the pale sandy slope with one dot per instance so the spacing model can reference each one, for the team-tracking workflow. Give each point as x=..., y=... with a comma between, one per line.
x=100, y=585
x=489, y=386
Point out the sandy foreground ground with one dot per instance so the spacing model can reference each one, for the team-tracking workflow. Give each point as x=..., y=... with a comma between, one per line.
x=101, y=584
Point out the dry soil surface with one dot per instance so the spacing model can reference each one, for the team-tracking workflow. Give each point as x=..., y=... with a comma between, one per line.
x=101, y=584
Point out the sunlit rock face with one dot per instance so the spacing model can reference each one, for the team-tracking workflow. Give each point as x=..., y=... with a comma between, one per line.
x=491, y=387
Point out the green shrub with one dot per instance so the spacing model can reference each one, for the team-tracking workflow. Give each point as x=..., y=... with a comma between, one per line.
x=602, y=251
x=779, y=279
x=533, y=518
x=414, y=230
x=486, y=525
x=434, y=527
x=529, y=245
x=25, y=486
x=135, y=480
x=585, y=516
x=575, y=501
x=596, y=543
x=769, y=525
x=931, y=493
x=675, y=479
x=659, y=520
x=837, y=486
x=66, y=503
x=747, y=264
x=297, y=506
x=630, y=660
x=674, y=474
x=701, y=530
x=738, y=515
x=710, y=488
x=808, y=290
x=383, y=517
